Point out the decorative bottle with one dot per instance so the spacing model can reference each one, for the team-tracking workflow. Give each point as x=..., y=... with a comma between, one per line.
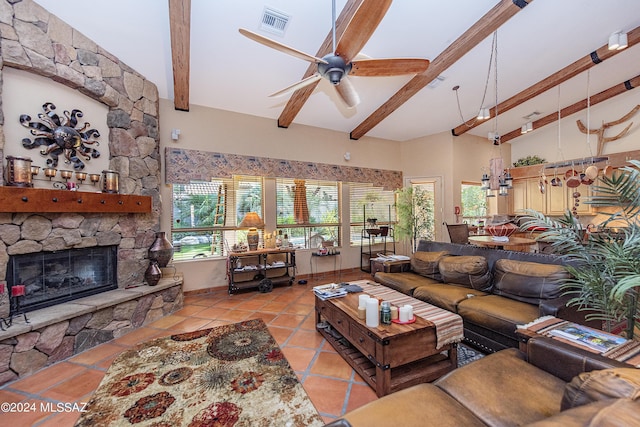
x=161, y=250
x=385, y=313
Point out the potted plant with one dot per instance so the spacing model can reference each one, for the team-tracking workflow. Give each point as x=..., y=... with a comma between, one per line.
x=605, y=268
x=414, y=210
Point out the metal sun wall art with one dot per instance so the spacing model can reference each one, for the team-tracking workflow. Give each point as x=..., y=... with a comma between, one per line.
x=61, y=135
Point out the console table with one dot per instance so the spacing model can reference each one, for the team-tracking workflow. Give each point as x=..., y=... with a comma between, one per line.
x=250, y=269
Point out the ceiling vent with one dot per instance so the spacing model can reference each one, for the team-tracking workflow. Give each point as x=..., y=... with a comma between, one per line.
x=274, y=21
x=532, y=116
x=436, y=82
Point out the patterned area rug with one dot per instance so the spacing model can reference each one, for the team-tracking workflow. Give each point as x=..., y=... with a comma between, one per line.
x=232, y=375
x=467, y=354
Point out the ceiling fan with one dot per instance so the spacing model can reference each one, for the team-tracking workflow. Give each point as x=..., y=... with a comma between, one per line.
x=343, y=61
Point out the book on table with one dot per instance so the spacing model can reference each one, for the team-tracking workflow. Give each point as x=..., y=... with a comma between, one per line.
x=331, y=290
x=594, y=339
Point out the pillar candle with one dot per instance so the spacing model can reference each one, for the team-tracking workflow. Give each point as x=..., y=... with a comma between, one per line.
x=404, y=314
x=362, y=300
x=410, y=308
x=394, y=312
x=373, y=318
x=17, y=290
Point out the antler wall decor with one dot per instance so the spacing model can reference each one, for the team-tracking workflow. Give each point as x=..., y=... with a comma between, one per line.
x=600, y=131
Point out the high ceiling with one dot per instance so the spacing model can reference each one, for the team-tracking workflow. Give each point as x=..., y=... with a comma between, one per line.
x=231, y=72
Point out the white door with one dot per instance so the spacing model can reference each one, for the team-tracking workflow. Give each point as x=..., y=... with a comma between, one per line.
x=431, y=187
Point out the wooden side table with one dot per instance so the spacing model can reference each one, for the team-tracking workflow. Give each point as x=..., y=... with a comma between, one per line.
x=387, y=266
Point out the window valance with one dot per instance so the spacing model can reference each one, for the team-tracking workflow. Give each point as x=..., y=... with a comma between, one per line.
x=184, y=166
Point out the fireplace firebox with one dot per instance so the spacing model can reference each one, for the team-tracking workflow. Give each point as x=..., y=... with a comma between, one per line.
x=52, y=278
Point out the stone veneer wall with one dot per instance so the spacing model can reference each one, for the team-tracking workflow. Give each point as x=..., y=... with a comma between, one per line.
x=33, y=40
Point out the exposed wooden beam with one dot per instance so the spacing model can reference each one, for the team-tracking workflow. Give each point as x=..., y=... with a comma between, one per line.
x=180, y=26
x=300, y=96
x=490, y=22
x=568, y=72
x=578, y=106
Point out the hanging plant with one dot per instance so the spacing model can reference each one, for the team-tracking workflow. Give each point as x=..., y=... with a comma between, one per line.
x=528, y=161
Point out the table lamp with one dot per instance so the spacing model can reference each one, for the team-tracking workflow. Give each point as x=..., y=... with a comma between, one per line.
x=252, y=221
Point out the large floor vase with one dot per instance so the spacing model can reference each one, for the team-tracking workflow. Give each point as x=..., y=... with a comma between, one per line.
x=161, y=250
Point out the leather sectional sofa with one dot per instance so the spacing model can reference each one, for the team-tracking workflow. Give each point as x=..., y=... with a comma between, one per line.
x=553, y=385
x=492, y=290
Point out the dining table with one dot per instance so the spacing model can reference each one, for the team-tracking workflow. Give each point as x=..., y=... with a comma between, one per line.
x=512, y=243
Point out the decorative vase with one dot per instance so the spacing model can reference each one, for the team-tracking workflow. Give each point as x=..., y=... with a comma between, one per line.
x=153, y=273
x=161, y=250
x=501, y=230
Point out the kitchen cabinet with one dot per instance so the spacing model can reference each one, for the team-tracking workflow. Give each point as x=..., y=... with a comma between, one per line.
x=526, y=194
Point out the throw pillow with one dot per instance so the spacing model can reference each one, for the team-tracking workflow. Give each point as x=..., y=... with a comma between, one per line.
x=470, y=271
x=603, y=384
x=529, y=282
x=426, y=263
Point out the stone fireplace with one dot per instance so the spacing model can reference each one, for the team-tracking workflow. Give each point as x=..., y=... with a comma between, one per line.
x=37, y=42
x=51, y=278
x=34, y=41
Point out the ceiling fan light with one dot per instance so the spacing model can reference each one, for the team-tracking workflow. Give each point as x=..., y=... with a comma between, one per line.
x=623, y=41
x=335, y=75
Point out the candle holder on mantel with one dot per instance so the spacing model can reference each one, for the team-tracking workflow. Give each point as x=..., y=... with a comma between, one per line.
x=110, y=181
x=19, y=171
x=18, y=293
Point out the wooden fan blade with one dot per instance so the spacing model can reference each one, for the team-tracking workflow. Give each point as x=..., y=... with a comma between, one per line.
x=361, y=27
x=388, y=67
x=298, y=85
x=347, y=92
x=281, y=47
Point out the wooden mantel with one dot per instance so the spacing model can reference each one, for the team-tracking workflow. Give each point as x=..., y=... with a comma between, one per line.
x=24, y=199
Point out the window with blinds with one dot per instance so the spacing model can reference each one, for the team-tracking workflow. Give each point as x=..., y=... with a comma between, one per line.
x=369, y=202
x=308, y=211
x=205, y=215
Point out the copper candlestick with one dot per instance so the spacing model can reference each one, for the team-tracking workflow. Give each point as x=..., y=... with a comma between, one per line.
x=81, y=176
x=94, y=178
x=66, y=174
x=50, y=172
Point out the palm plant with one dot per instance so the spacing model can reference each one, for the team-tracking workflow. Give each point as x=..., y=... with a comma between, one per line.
x=605, y=268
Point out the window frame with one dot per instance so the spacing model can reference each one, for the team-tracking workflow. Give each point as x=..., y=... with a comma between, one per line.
x=221, y=238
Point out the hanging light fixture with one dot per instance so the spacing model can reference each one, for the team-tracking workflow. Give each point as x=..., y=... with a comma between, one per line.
x=497, y=178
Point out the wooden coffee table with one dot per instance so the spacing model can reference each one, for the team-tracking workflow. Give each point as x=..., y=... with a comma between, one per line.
x=388, y=357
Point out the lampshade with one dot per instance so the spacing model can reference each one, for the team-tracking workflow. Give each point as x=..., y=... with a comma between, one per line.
x=251, y=220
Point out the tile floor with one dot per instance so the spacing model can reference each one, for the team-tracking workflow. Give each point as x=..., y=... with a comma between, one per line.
x=334, y=388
